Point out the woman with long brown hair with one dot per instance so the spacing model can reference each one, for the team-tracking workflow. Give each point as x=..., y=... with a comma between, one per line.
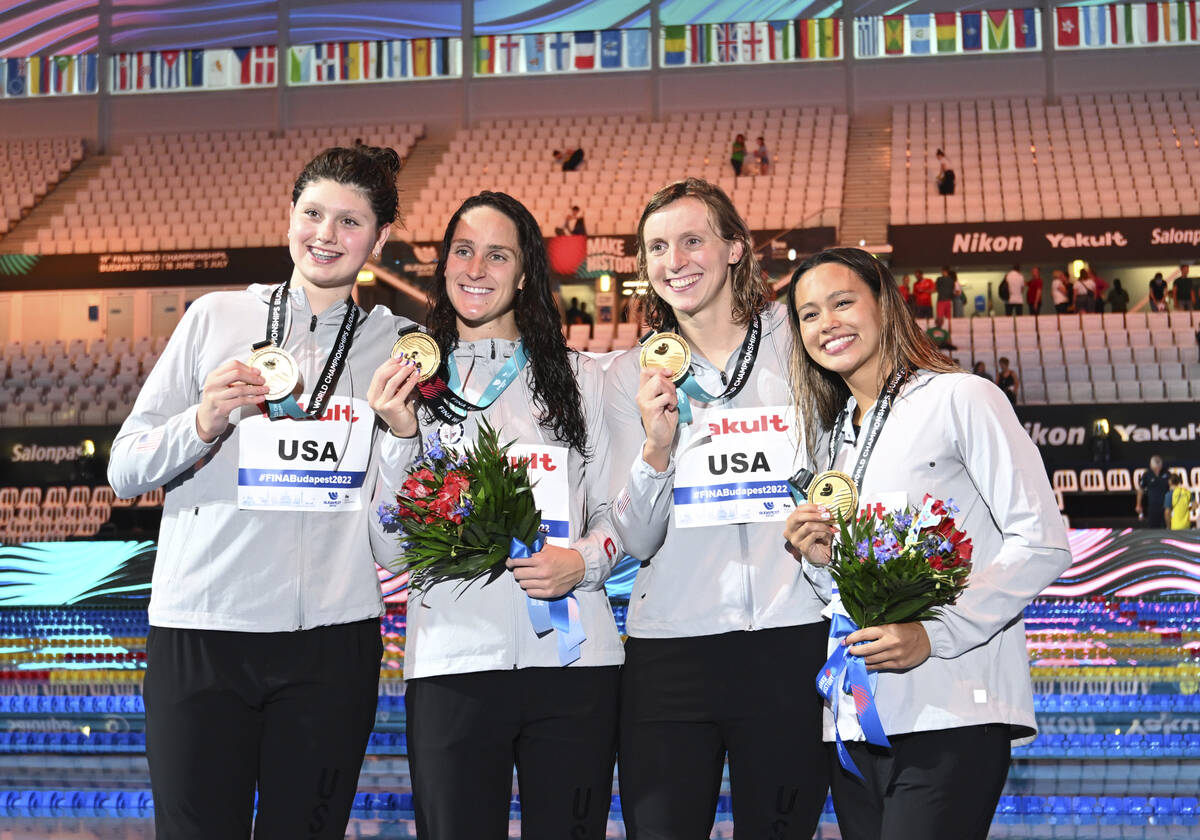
x=954, y=691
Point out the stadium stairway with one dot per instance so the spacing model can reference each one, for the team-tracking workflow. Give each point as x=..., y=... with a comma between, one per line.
x=418, y=168
x=865, y=209
x=22, y=239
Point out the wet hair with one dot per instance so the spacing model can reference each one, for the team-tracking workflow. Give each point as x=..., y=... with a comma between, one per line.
x=370, y=169
x=751, y=294
x=821, y=394
x=556, y=396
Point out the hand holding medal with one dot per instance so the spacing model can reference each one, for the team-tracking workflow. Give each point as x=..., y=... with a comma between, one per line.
x=820, y=501
x=664, y=360
x=229, y=387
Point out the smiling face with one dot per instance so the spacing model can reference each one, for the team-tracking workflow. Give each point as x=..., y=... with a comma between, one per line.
x=840, y=323
x=483, y=274
x=331, y=232
x=687, y=261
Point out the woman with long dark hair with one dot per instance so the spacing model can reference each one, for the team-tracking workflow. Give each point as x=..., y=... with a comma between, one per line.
x=882, y=405
x=264, y=646
x=724, y=625
x=484, y=690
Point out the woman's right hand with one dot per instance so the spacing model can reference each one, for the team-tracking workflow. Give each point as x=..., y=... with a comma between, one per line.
x=809, y=531
x=391, y=396
x=229, y=387
x=659, y=406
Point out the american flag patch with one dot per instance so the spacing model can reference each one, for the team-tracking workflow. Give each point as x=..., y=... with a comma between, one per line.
x=149, y=441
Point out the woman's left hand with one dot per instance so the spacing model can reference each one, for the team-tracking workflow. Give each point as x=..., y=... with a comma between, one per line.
x=548, y=573
x=890, y=647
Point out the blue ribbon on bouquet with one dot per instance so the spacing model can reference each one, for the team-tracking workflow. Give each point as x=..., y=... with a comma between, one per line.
x=845, y=672
x=561, y=614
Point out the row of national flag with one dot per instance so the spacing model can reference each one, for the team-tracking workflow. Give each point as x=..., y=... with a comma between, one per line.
x=752, y=42
x=1126, y=25
x=207, y=69
x=374, y=61
x=947, y=33
x=50, y=75
x=562, y=52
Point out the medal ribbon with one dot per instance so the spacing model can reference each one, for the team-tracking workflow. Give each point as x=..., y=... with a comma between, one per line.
x=443, y=393
x=883, y=407
x=844, y=673
x=288, y=407
x=560, y=614
x=689, y=387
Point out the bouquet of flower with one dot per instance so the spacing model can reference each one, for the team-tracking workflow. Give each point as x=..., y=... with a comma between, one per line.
x=456, y=514
x=894, y=567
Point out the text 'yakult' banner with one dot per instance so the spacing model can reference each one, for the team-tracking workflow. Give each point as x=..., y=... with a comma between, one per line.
x=1165, y=238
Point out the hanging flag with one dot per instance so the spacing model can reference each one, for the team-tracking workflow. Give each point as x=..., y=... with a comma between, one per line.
x=422, y=60
x=831, y=40
x=893, y=34
x=508, y=50
x=89, y=76
x=610, y=49
x=372, y=59
x=448, y=55
x=702, y=40
x=947, y=32
x=328, y=62
x=1146, y=20
x=63, y=69
x=147, y=79
x=485, y=55
x=397, y=59
x=921, y=42
x=866, y=37
x=535, y=53
x=14, y=82
x=300, y=64
x=997, y=25
x=1095, y=26
x=753, y=38
x=674, y=46
x=727, y=43
x=170, y=70
x=1120, y=23
x=972, y=31
x=781, y=41
x=809, y=38
x=193, y=70
x=1067, y=25
x=1175, y=21
x=1025, y=28
x=561, y=48
x=637, y=48
x=585, y=50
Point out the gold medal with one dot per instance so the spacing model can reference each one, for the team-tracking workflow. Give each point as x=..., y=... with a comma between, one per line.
x=421, y=349
x=278, y=369
x=667, y=350
x=836, y=491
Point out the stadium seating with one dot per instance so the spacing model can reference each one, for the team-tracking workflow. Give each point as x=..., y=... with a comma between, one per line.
x=1102, y=156
x=626, y=159
x=29, y=169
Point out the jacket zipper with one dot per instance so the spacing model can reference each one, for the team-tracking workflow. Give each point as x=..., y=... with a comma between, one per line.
x=312, y=328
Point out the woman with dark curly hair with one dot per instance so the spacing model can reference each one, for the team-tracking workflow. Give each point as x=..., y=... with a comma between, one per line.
x=484, y=690
x=725, y=628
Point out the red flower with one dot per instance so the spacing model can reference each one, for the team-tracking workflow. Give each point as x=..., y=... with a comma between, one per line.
x=935, y=563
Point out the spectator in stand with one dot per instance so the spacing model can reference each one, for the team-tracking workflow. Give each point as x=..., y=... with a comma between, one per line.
x=1059, y=292
x=569, y=158
x=762, y=157
x=1012, y=291
x=574, y=314
x=980, y=369
x=904, y=287
x=1178, y=512
x=1183, y=289
x=1101, y=290
x=922, y=291
x=945, y=174
x=960, y=297
x=573, y=224
x=1033, y=290
x=1158, y=293
x=940, y=336
x=1152, y=493
x=1085, y=292
x=945, y=292
x=585, y=317
x=738, y=156
x=1118, y=298
x=1007, y=379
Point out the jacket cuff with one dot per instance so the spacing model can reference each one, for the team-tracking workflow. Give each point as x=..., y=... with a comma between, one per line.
x=396, y=455
x=940, y=643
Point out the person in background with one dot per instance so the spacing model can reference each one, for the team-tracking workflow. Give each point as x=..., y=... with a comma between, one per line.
x=574, y=313
x=945, y=174
x=1118, y=298
x=1151, y=491
x=1014, y=301
x=1059, y=291
x=945, y=291
x=1033, y=290
x=1085, y=292
x=904, y=287
x=922, y=292
x=980, y=369
x=1179, y=506
x=738, y=155
x=1183, y=289
x=1102, y=288
x=569, y=158
x=1007, y=379
x=940, y=336
x=1158, y=293
x=573, y=224
x=763, y=157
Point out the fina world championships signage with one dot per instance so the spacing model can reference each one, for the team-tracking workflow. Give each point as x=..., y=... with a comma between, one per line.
x=1158, y=240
